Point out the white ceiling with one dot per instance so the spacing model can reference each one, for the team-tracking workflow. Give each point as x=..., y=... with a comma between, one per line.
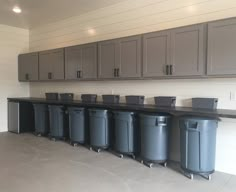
x=39, y=12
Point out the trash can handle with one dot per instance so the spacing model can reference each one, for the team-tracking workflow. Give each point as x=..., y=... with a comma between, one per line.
x=77, y=110
x=92, y=111
x=192, y=126
x=161, y=123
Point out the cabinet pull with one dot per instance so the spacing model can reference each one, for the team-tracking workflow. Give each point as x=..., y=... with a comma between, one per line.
x=171, y=70
x=115, y=72
x=78, y=74
x=50, y=75
x=167, y=69
x=118, y=72
x=26, y=76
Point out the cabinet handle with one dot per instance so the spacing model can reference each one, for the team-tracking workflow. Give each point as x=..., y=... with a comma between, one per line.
x=50, y=75
x=27, y=76
x=115, y=72
x=171, y=70
x=167, y=69
x=78, y=74
x=118, y=72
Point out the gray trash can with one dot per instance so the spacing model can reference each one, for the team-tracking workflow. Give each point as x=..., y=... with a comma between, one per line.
x=125, y=133
x=58, y=122
x=198, y=145
x=154, y=138
x=77, y=125
x=99, y=129
x=41, y=117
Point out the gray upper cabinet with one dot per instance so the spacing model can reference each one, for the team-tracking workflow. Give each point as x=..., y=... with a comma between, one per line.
x=120, y=58
x=176, y=52
x=221, y=56
x=51, y=65
x=184, y=52
x=188, y=51
x=107, y=59
x=128, y=63
x=156, y=54
x=81, y=62
x=28, y=67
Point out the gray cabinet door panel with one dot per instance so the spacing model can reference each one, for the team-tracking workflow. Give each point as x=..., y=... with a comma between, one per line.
x=106, y=58
x=221, y=57
x=187, y=51
x=156, y=53
x=45, y=65
x=73, y=62
x=89, y=61
x=129, y=57
x=51, y=62
x=28, y=67
x=58, y=64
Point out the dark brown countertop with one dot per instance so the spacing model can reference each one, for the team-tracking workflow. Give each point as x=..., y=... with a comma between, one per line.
x=177, y=111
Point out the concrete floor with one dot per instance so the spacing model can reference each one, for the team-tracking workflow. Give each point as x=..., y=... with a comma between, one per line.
x=34, y=164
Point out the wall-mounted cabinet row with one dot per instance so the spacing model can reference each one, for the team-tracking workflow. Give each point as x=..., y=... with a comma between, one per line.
x=191, y=51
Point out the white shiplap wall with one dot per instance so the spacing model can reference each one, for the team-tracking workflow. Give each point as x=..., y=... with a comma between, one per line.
x=129, y=18
x=12, y=42
x=141, y=16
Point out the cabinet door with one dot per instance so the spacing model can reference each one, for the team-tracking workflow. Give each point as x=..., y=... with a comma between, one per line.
x=28, y=67
x=187, y=51
x=89, y=61
x=51, y=65
x=73, y=62
x=45, y=65
x=129, y=57
x=156, y=54
x=57, y=59
x=221, y=58
x=106, y=59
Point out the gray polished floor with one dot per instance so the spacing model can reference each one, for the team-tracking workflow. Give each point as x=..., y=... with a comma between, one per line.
x=34, y=164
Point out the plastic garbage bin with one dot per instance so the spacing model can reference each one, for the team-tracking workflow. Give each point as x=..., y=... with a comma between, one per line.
x=58, y=122
x=154, y=138
x=41, y=117
x=126, y=135
x=99, y=129
x=198, y=145
x=77, y=125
